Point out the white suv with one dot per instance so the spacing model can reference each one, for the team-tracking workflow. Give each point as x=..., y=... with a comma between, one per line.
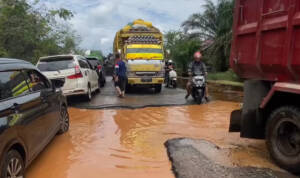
x=80, y=79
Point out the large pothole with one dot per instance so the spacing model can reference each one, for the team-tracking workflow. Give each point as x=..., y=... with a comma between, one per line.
x=202, y=159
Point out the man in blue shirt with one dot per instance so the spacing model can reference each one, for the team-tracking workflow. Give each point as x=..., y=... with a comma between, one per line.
x=121, y=76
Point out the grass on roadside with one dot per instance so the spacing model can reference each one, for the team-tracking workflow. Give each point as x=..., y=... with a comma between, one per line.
x=226, y=82
x=229, y=76
x=226, y=78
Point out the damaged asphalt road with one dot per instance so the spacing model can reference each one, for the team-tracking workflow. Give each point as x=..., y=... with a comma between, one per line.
x=140, y=98
x=146, y=130
x=194, y=159
x=143, y=97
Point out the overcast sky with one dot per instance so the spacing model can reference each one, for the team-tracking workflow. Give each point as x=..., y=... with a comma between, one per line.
x=97, y=21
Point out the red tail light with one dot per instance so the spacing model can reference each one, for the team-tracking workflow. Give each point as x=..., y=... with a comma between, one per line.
x=99, y=67
x=77, y=69
x=77, y=74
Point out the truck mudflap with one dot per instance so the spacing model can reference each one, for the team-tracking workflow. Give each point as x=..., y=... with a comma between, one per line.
x=248, y=120
x=235, y=121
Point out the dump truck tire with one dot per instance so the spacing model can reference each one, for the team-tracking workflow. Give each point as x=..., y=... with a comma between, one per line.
x=283, y=137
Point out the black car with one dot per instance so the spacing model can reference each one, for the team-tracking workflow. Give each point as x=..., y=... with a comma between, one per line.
x=32, y=111
x=98, y=65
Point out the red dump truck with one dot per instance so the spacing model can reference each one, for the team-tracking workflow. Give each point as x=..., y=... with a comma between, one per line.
x=266, y=53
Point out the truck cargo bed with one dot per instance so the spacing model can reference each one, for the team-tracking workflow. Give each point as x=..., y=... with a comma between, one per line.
x=266, y=40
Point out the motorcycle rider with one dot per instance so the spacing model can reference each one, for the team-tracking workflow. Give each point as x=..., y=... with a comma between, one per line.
x=196, y=67
x=168, y=67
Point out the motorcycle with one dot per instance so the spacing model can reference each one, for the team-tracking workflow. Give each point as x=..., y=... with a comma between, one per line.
x=198, y=88
x=172, y=79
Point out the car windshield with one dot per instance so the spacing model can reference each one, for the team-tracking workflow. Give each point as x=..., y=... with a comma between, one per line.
x=56, y=64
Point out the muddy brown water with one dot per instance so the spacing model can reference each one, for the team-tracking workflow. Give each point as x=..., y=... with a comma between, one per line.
x=129, y=143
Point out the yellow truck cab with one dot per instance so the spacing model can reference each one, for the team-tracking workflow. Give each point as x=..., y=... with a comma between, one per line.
x=141, y=45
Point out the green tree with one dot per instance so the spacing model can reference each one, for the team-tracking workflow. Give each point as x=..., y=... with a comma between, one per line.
x=29, y=33
x=214, y=28
x=181, y=49
x=97, y=53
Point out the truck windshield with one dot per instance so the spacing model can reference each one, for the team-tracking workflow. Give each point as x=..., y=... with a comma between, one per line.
x=56, y=64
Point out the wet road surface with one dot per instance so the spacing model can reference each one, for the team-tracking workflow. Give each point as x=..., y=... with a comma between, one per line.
x=130, y=143
x=143, y=97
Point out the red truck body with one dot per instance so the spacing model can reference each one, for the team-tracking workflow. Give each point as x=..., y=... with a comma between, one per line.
x=266, y=40
x=266, y=53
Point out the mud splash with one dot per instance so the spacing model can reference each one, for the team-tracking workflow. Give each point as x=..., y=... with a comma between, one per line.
x=129, y=143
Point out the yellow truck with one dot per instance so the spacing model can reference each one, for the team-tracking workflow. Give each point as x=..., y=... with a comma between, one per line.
x=141, y=46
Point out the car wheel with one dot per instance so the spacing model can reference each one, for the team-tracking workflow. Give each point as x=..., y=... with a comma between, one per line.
x=283, y=137
x=64, y=120
x=13, y=165
x=102, y=81
x=89, y=94
x=99, y=86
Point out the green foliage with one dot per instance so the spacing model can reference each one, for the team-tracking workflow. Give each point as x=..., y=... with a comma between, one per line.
x=62, y=13
x=214, y=28
x=227, y=83
x=229, y=76
x=181, y=49
x=29, y=33
x=97, y=54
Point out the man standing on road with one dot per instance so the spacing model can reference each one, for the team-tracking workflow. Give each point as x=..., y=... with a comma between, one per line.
x=120, y=76
x=197, y=66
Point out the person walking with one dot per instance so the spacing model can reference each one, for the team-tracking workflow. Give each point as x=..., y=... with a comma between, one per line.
x=120, y=76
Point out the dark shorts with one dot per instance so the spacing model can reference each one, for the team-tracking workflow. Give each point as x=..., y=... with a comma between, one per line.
x=121, y=83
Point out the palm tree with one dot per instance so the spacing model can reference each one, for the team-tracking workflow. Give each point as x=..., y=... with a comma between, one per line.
x=214, y=28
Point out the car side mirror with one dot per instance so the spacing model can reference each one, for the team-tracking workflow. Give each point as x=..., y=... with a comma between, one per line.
x=58, y=83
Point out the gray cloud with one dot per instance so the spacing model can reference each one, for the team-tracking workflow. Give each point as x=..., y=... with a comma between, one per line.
x=97, y=21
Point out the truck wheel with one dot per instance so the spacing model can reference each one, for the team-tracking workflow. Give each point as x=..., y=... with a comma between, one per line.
x=128, y=88
x=283, y=137
x=158, y=88
x=13, y=165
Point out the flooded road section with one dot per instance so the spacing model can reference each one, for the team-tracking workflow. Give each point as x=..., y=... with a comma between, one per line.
x=129, y=143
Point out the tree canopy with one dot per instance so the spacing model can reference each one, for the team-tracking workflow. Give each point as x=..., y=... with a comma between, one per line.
x=28, y=32
x=214, y=28
x=180, y=48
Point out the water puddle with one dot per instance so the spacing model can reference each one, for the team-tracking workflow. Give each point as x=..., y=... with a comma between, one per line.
x=129, y=143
